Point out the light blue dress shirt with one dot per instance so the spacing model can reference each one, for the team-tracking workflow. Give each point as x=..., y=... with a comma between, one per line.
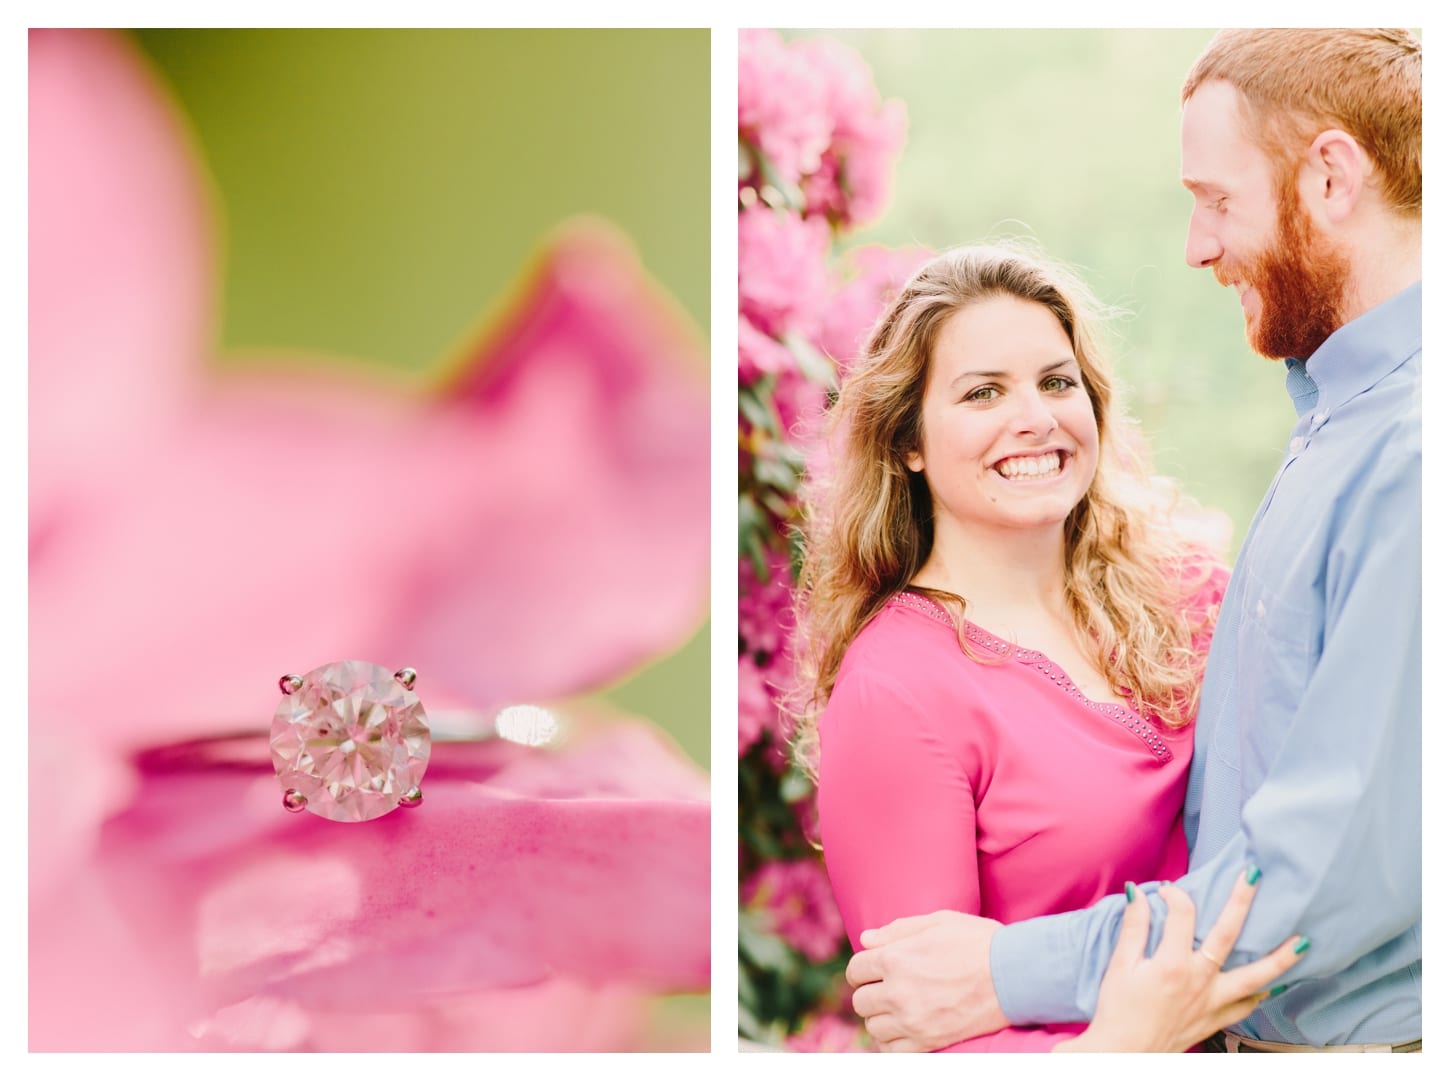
x=1307, y=754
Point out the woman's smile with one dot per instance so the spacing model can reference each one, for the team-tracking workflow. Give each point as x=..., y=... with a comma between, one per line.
x=1040, y=465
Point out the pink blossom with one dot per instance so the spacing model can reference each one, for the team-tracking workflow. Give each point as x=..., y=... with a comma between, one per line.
x=801, y=405
x=765, y=607
x=756, y=703
x=784, y=106
x=812, y=108
x=765, y=678
x=797, y=901
x=871, y=276
x=783, y=279
x=852, y=97
x=760, y=354
x=194, y=534
x=829, y=1032
x=765, y=672
x=853, y=184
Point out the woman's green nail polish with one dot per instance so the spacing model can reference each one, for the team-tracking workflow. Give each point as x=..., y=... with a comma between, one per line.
x=1131, y=891
x=1254, y=875
x=1303, y=946
x=1279, y=990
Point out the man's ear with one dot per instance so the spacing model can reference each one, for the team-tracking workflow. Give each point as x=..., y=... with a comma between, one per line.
x=1338, y=171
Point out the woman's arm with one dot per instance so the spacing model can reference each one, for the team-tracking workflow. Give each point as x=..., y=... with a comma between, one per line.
x=898, y=819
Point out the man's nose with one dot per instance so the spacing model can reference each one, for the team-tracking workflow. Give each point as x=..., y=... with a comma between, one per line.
x=1203, y=248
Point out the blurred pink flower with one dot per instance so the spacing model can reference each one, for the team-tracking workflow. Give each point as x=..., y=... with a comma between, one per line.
x=783, y=105
x=871, y=276
x=798, y=905
x=765, y=607
x=801, y=404
x=829, y=1032
x=760, y=354
x=853, y=184
x=811, y=107
x=765, y=669
x=194, y=534
x=757, y=712
x=783, y=278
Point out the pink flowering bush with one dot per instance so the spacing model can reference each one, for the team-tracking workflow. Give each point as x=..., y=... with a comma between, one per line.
x=829, y=1032
x=795, y=897
x=814, y=133
x=870, y=277
x=817, y=150
x=784, y=281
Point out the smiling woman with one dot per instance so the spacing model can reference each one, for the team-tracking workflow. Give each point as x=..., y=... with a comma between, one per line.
x=982, y=548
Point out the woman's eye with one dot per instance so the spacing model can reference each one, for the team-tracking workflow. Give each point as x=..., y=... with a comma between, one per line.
x=1058, y=383
x=982, y=394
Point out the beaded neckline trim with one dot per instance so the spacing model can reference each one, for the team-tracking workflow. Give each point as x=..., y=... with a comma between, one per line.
x=1043, y=664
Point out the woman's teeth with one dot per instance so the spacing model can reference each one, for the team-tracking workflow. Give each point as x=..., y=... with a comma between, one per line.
x=1041, y=465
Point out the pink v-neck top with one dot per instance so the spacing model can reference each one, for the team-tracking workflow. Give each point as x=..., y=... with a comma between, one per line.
x=995, y=788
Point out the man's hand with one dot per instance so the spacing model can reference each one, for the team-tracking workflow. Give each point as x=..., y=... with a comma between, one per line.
x=924, y=982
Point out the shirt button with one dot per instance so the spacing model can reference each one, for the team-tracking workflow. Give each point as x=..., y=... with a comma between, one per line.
x=1296, y=445
x=1260, y=610
x=1319, y=418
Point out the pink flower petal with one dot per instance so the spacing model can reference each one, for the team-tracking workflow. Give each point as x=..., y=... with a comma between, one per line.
x=121, y=261
x=205, y=895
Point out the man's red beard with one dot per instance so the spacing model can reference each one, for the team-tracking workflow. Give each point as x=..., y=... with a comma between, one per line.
x=1300, y=279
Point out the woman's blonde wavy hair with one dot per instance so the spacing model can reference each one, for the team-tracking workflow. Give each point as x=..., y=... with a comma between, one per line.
x=868, y=529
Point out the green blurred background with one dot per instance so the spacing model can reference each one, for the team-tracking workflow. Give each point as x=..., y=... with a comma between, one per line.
x=1071, y=137
x=380, y=190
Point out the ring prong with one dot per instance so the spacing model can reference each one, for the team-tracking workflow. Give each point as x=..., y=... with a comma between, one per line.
x=290, y=684
x=412, y=797
x=406, y=676
x=293, y=800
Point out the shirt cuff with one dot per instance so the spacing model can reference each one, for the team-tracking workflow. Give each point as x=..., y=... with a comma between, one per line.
x=1034, y=970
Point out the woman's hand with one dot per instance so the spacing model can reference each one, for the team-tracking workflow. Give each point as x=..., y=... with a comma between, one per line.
x=1179, y=996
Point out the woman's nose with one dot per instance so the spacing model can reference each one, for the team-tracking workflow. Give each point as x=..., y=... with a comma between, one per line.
x=1035, y=415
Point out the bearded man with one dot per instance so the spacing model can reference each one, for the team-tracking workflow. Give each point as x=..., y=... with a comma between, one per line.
x=1301, y=149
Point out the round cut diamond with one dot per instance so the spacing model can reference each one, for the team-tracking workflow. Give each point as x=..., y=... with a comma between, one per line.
x=351, y=739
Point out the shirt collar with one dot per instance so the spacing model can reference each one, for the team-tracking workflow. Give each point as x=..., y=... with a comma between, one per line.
x=1357, y=355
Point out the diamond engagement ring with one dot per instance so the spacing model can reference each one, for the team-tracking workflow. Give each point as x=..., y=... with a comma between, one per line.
x=350, y=740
